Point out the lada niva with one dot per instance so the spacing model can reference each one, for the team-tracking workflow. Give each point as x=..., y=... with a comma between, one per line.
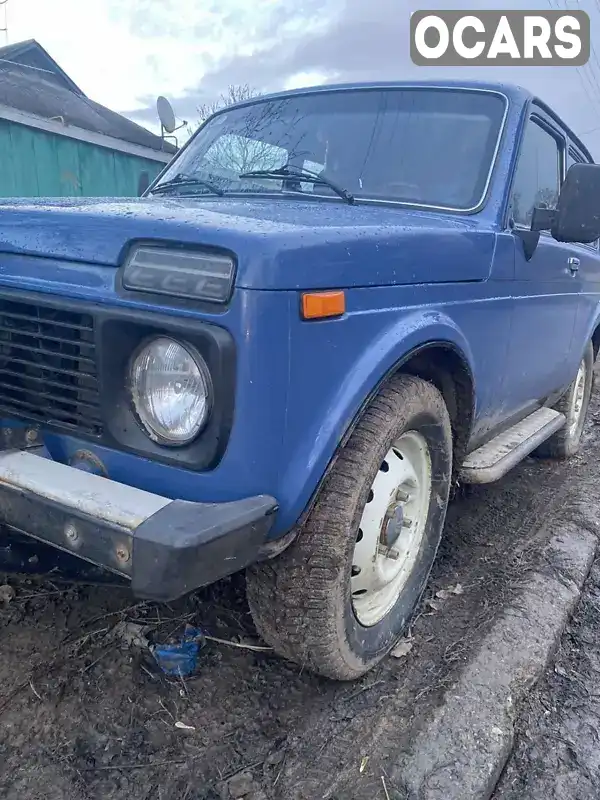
x=333, y=305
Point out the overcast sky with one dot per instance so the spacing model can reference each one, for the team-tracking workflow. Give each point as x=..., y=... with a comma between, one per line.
x=123, y=53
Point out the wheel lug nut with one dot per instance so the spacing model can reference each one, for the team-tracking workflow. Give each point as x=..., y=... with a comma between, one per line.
x=388, y=552
x=406, y=522
x=402, y=496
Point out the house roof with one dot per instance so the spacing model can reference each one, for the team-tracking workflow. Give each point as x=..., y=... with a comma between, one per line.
x=32, y=54
x=32, y=82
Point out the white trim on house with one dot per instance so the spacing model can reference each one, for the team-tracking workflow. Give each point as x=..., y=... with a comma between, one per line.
x=73, y=132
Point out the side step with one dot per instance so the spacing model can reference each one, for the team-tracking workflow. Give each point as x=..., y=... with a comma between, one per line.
x=493, y=460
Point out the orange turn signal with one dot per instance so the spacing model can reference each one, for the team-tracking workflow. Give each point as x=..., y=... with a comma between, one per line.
x=320, y=305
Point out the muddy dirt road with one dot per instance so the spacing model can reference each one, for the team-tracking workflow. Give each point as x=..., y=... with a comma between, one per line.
x=557, y=753
x=81, y=718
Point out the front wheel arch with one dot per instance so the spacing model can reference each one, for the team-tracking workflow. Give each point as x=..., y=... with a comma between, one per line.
x=445, y=366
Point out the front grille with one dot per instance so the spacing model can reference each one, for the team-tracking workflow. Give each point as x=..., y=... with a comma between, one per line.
x=48, y=366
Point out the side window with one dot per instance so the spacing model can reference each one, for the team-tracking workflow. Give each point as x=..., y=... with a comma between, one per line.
x=573, y=158
x=538, y=176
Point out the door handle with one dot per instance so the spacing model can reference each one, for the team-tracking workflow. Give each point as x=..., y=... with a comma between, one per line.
x=573, y=264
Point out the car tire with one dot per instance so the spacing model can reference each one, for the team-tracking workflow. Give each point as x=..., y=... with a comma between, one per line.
x=324, y=602
x=574, y=405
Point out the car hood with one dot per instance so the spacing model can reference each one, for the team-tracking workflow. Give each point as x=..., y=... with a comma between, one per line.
x=279, y=243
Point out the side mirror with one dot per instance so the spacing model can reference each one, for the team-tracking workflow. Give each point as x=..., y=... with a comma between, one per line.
x=577, y=215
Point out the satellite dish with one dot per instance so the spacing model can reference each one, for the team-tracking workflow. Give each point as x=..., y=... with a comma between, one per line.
x=166, y=114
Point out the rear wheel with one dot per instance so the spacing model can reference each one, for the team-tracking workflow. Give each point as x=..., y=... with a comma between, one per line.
x=574, y=405
x=339, y=597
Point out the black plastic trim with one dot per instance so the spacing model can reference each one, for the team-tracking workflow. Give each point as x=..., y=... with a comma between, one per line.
x=118, y=331
x=185, y=546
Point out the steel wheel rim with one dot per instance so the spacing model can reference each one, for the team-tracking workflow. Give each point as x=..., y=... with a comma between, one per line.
x=397, y=506
x=578, y=398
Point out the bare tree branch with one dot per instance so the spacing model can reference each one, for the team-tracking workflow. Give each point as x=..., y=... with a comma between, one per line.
x=234, y=94
x=237, y=153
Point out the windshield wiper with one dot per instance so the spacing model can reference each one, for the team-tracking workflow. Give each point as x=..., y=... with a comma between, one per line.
x=186, y=180
x=299, y=172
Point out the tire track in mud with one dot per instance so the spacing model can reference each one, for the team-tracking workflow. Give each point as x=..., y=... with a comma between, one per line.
x=81, y=719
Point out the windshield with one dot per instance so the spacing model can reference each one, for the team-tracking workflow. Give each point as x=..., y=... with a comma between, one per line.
x=421, y=146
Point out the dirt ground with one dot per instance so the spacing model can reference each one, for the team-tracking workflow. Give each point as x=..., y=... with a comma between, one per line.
x=84, y=717
x=557, y=755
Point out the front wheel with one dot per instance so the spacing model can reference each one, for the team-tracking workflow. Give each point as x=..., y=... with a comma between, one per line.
x=574, y=405
x=339, y=597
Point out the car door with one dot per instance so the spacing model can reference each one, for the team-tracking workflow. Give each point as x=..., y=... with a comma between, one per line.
x=587, y=268
x=545, y=288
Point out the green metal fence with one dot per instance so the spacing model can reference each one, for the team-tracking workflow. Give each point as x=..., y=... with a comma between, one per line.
x=35, y=163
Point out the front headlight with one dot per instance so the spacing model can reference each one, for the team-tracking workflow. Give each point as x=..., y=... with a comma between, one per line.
x=191, y=274
x=171, y=391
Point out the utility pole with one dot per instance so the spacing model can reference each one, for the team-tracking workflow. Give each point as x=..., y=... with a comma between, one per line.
x=4, y=29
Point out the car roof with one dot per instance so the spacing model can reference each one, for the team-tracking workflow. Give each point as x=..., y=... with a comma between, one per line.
x=511, y=90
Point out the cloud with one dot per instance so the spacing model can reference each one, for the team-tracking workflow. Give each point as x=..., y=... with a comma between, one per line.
x=124, y=53
x=368, y=40
x=207, y=35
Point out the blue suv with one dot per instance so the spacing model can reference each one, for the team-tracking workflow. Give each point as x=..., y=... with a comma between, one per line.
x=331, y=306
